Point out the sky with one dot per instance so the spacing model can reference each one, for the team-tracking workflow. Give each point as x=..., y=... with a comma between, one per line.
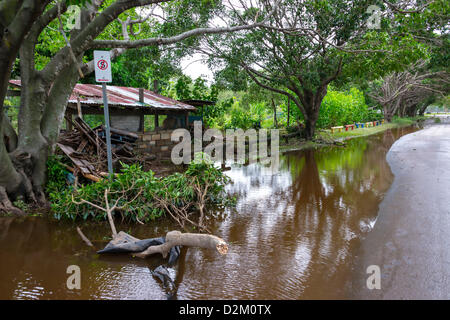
x=194, y=68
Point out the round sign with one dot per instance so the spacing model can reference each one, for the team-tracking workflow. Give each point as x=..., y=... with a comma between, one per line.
x=102, y=64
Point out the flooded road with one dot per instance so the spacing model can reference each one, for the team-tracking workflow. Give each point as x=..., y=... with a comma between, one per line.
x=410, y=242
x=293, y=235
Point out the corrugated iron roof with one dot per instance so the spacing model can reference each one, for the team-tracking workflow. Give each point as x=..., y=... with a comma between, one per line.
x=127, y=97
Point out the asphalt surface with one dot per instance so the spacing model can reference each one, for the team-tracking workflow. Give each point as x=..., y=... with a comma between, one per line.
x=410, y=241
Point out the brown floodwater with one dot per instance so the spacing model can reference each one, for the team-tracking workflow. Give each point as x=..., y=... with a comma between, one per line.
x=293, y=235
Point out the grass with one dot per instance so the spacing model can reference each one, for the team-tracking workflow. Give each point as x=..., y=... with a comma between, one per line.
x=361, y=132
x=297, y=144
x=326, y=135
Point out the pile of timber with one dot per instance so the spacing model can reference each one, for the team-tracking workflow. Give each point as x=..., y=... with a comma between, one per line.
x=86, y=148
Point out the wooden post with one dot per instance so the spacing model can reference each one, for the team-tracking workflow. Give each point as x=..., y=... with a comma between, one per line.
x=69, y=123
x=141, y=95
x=141, y=117
x=156, y=121
x=80, y=114
x=186, y=120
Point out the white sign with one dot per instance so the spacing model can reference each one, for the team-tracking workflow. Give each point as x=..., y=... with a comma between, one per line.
x=102, y=62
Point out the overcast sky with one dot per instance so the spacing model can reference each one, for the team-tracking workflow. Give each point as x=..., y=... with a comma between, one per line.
x=194, y=68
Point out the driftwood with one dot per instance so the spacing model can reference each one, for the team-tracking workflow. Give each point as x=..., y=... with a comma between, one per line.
x=176, y=238
x=84, y=238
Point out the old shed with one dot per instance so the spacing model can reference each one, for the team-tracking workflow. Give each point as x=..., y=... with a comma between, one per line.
x=127, y=108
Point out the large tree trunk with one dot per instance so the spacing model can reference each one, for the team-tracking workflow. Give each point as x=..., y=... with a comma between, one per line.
x=17, y=19
x=390, y=109
x=310, y=124
x=411, y=111
x=44, y=98
x=387, y=113
x=275, y=121
x=422, y=109
x=311, y=103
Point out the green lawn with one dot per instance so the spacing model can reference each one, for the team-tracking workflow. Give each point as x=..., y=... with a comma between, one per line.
x=326, y=135
x=357, y=132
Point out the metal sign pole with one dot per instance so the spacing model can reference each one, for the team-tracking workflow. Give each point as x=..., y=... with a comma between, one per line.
x=102, y=64
x=108, y=131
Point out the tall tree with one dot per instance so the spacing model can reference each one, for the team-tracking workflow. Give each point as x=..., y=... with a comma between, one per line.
x=308, y=45
x=402, y=93
x=45, y=90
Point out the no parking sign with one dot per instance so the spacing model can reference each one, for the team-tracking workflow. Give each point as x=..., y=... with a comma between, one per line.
x=102, y=62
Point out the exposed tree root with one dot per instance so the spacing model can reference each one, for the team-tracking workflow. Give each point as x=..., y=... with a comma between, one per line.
x=6, y=205
x=32, y=193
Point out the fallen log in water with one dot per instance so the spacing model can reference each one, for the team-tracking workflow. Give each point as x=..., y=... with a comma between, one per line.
x=176, y=238
x=125, y=243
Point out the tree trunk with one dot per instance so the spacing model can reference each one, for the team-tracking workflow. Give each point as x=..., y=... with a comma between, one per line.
x=387, y=113
x=311, y=103
x=422, y=109
x=44, y=98
x=17, y=20
x=310, y=127
x=275, y=121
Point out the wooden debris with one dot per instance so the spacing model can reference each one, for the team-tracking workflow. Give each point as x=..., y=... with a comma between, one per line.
x=84, y=238
x=86, y=148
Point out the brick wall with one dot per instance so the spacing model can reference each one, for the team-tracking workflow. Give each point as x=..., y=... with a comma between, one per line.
x=156, y=142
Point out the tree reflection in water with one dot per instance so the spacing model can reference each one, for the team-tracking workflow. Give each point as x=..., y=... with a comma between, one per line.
x=292, y=235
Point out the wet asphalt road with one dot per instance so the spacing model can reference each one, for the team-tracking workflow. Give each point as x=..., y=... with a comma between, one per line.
x=410, y=241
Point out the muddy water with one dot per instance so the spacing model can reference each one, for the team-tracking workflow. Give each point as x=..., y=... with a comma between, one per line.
x=293, y=235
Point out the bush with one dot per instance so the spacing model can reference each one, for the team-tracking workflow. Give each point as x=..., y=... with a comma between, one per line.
x=56, y=175
x=403, y=121
x=241, y=118
x=136, y=192
x=340, y=108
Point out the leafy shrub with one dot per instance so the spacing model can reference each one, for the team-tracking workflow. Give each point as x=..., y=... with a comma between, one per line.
x=136, y=192
x=56, y=175
x=240, y=119
x=339, y=108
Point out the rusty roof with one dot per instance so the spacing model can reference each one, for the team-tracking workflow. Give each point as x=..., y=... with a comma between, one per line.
x=125, y=97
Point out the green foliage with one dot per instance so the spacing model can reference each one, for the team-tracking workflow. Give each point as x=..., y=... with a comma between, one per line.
x=56, y=176
x=339, y=108
x=240, y=118
x=214, y=116
x=232, y=114
x=182, y=87
x=78, y=2
x=94, y=120
x=22, y=205
x=403, y=121
x=136, y=191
